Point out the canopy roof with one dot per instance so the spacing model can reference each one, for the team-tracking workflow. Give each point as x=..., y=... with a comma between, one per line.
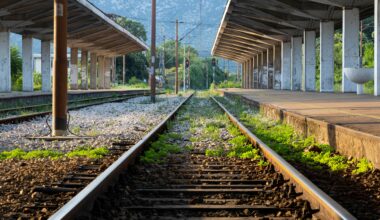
x=88, y=27
x=249, y=27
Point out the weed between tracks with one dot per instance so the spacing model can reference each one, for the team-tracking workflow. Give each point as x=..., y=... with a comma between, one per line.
x=283, y=139
x=85, y=151
x=208, y=131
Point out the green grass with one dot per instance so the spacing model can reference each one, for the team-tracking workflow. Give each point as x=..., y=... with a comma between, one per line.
x=161, y=148
x=217, y=152
x=284, y=140
x=86, y=152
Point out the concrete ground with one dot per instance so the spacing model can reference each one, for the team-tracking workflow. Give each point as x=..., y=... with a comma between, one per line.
x=349, y=122
x=361, y=113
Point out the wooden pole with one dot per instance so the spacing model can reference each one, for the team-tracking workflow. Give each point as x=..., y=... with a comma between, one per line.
x=60, y=69
x=153, y=53
x=176, y=57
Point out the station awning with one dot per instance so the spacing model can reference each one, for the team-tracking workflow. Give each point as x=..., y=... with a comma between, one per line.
x=249, y=27
x=88, y=27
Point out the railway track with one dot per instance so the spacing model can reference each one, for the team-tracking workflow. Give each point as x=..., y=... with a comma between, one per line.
x=187, y=184
x=77, y=104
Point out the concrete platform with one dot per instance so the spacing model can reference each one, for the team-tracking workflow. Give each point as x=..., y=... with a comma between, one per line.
x=348, y=122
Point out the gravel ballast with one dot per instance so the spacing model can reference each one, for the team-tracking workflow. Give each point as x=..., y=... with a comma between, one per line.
x=105, y=124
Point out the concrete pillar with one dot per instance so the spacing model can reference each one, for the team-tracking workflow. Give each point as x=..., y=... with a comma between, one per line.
x=257, y=71
x=296, y=63
x=247, y=74
x=309, y=63
x=46, y=66
x=93, y=71
x=5, y=61
x=350, y=52
x=27, y=64
x=101, y=72
x=114, y=69
x=265, y=70
x=377, y=49
x=277, y=67
x=242, y=75
x=84, y=71
x=124, y=68
x=327, y=57
x=286, y=65
x=74, y=69
x=261, y=70
x=270, y=68
x=107, y=72
x=250, y=73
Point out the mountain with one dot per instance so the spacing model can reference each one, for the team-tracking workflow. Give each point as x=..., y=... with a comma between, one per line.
x=207, y=13
x=199, y=19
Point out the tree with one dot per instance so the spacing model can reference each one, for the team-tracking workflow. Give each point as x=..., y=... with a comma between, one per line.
x=136, y=62
x=16, y=69
x=136, y=28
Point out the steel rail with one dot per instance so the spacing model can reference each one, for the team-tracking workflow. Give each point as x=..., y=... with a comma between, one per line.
x=85, y=198
x=71, y=101
x=22, y=118
x=328, y=208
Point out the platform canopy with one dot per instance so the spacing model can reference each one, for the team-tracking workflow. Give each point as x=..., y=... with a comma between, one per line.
x=249, y=27
x=88, y=27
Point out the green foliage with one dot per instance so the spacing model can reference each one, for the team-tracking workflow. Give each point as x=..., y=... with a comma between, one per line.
x=217, y=152
x=136, y=28
x=136, y=62
x=16, y=69
x=87, y=152
x=37, y=79
x=229, y=84
x=134, y=82
x=284, y=140
x=21, y=154
x=363, y=166
x=161, y=148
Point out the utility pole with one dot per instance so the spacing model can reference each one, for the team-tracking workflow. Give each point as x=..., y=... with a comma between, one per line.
x=188, y=69
x=60, y=69
x=153, y=53
x=184, y=67
x=206, y=75
x=176, y=57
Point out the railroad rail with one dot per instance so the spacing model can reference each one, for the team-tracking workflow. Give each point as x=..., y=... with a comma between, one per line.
x=88, y=195
x=195, y=184
x=328, y=208
x=92, y=102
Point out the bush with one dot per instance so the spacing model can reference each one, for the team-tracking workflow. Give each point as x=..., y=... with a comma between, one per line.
x=134, y=80
x=16, y=69
x=37, y=79
x=229, y=84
